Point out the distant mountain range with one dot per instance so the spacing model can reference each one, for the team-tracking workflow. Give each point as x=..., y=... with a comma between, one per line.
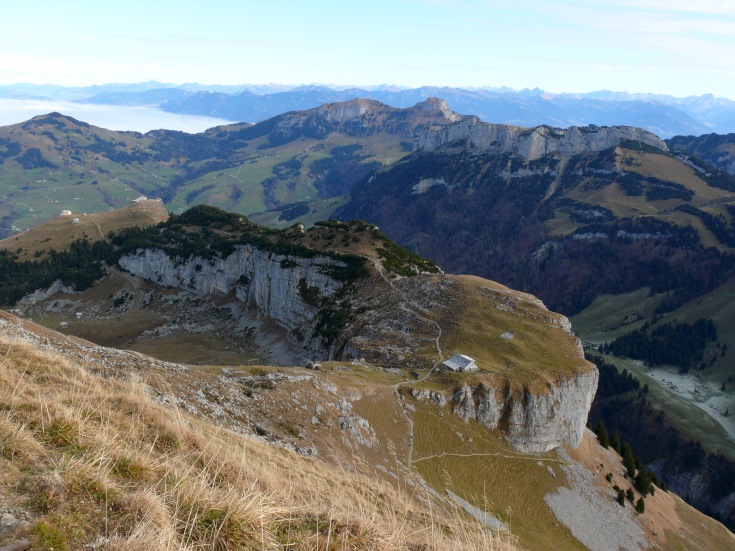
x=663, y=115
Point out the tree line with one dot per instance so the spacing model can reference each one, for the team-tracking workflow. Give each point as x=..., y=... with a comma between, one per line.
x=679, y=344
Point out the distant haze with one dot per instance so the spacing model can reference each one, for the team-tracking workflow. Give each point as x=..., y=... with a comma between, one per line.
x=672, y=47
x=112, y=117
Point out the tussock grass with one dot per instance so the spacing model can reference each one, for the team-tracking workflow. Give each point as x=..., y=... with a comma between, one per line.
x=95, y=457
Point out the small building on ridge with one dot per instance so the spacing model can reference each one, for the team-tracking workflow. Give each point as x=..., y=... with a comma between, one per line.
x=460, y=362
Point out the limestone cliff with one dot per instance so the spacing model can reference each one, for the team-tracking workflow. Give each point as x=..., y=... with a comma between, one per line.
x=531, y=421
x=362, y=117
x=532, y=143
x=277, y=285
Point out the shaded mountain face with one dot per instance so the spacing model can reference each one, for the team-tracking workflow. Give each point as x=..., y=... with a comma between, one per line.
x=715, y=149
x=53, y=163
x=566, y=215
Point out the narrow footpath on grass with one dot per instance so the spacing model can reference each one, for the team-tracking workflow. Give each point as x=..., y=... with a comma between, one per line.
x=415, y=310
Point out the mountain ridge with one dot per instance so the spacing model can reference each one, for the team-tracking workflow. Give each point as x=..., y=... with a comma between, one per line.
x=532, y=143
x=334, y=304
x=53, y=162
x=661, y=114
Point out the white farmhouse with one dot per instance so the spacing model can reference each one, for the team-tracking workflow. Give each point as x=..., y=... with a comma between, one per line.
x=460, y=362
x=65, y=213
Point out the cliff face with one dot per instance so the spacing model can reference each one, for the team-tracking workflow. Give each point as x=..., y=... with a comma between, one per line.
x=532, y=143
x=275, y=284
x=532, y=421
x=363, y=117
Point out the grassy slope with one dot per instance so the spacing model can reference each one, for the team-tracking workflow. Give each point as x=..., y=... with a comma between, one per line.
x=85, y=181
x=80, y=437
x=707, y=198
x=60, y=232
x=74, y=443
x=80, y=180
x=539, y=345
x=478, y=467
x=318, y=210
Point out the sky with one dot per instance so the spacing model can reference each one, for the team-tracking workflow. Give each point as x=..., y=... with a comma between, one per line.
x=673, y=47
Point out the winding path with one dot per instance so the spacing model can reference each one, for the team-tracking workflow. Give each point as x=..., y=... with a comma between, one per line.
x=413, y=309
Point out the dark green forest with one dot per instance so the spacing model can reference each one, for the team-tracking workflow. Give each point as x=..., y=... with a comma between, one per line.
x=79, y=267
x=479, y=221
x=679, y=344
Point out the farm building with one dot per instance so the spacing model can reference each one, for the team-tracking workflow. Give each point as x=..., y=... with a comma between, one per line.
x=460, y=362
x=65, y=213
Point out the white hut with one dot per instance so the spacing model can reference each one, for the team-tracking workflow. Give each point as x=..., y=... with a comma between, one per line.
x=65, y=213
x=460, y=362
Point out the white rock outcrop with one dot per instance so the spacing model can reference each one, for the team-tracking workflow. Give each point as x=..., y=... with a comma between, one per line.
x=532, y=421
x=532, y=143
x=272, y=283
x=42, y=294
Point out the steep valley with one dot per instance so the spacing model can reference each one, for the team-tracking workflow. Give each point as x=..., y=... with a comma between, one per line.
x=607, y=224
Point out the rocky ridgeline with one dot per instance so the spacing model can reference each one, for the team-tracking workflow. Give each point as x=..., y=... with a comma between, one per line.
x=533, y=143
x=361, y=117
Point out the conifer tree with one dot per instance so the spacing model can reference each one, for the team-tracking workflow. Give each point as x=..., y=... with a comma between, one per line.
x=643, y=482
x=640, y=506
x=602, y=436
x=615, y=441
x=628, y=459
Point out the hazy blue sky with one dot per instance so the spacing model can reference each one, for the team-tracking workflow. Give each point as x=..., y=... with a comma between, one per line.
x=665, y=46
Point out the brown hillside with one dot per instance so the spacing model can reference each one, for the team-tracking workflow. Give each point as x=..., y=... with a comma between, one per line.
x=59, y=233
x=89, y=455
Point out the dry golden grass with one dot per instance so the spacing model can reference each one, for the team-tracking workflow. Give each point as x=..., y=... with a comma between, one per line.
x=95, y=456
x=540, y=347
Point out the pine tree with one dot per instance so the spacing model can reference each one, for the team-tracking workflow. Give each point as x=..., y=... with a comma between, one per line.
x=602, y=437
x=643, y=482
x=628, y=459
x=640, y=506
x=621, y=497
x=629, y=494
x=615, y=441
